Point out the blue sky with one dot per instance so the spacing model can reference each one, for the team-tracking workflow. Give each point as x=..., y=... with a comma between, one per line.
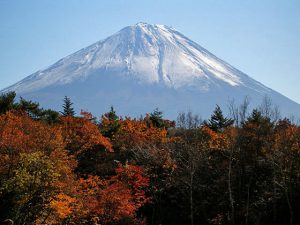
x=259, y=37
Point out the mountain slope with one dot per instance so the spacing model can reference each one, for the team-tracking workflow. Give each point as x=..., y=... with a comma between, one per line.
x=143, y=67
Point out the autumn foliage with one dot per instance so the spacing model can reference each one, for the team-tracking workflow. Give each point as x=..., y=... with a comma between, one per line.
x=65, y=169
x=104, y=200
x=80, y=134
x=134, y=133
x=37, y=168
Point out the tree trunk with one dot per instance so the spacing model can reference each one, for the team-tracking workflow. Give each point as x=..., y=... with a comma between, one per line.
x=230, y=191
x=274, y=203
x=247, y=206
x=290, y=207
x=191, y=198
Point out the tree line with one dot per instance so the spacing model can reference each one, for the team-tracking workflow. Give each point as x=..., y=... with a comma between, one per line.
x=62, y=168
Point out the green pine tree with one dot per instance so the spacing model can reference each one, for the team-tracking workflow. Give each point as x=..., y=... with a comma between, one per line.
x=113, y=125
x=217, y=121
x=68, y=110
x=156, y=117
x=7, y=102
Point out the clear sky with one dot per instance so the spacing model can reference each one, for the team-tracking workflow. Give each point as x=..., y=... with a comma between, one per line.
x=258, y=37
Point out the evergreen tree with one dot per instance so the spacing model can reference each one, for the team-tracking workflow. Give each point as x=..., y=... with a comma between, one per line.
x=217, y=121
x=156, y=118
x=49, y=116
x=109, y=123
x=111, y=115
x=31, y=108
x=7, y=102
x=258, y=118
x=68, y=110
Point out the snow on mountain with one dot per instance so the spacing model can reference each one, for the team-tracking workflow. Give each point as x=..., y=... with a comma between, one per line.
x=142, y=67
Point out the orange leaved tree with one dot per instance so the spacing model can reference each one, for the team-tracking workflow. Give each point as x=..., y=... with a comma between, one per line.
x=34, y=167
x=81, y=134
x=105, y=201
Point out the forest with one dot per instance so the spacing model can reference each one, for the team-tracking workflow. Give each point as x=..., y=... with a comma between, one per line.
x=62, y=168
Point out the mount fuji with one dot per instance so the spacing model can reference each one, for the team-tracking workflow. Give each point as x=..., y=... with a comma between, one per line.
x=143, y=67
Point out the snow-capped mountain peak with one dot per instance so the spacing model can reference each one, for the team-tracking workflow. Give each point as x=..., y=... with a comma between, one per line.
x=142, y=67
x=149, y=53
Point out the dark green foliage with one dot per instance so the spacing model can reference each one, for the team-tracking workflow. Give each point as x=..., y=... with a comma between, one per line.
x=32, y=109
x=49, y=116
x=110, y=123
x=7, y=102
x=257, y=118
x=256, y=133
x=111, y=115
x=68, y=110
x=156, y=119
x=217, y=121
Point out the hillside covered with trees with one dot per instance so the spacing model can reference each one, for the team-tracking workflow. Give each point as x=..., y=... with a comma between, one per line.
x=62, y=168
